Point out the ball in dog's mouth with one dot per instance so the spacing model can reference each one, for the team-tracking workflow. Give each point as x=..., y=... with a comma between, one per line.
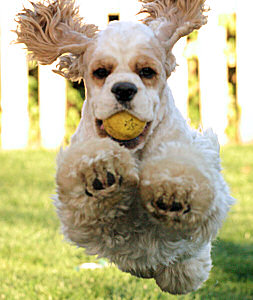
x=123, y=128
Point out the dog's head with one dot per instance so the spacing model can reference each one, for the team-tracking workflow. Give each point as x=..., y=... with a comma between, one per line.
x=125, y=71
x=124, y=67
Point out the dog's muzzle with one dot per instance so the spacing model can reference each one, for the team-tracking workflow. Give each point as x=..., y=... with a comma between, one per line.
x=124, y=91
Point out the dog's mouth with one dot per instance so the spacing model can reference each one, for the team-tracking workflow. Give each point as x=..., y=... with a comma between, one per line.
x=130, y=144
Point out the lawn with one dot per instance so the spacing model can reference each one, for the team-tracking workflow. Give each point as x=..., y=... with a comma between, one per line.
x=36, y=263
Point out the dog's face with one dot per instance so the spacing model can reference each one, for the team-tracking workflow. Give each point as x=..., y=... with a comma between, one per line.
x=125, y=71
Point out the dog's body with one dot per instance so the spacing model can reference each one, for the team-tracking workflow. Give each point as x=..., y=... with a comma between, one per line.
x=151, y=205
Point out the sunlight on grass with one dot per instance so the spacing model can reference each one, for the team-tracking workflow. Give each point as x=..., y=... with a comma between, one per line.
x=36, y=263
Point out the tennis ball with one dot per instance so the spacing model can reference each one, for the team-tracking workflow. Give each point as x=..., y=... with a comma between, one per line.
x=123, y=126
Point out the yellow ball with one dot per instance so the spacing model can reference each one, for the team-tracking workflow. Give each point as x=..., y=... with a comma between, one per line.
x=123, y=126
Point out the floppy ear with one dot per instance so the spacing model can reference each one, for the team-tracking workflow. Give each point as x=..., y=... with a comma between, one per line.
x=173, y=19
x=52, y=30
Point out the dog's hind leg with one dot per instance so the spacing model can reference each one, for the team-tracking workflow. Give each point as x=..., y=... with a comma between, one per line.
x=185, y=276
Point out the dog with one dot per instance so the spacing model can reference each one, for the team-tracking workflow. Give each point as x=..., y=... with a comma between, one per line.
x=151, y=205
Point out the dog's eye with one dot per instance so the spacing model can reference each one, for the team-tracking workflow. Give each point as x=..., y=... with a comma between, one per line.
x=147, y=73
x=101, y=73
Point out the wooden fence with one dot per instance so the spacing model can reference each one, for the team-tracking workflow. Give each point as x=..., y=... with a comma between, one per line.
x=212, y=62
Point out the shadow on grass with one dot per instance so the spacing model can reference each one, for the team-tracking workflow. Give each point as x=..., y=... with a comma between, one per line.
x=236, y=260
x=232, y=273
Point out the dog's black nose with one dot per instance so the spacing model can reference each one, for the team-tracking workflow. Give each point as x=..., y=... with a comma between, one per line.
x=124, y=91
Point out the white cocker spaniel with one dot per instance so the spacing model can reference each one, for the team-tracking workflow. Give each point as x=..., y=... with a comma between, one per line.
x=151, y=204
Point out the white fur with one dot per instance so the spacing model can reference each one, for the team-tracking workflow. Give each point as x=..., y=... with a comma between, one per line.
x=152, y=208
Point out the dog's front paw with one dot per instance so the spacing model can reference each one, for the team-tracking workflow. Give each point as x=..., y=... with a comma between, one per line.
x=168, y=201
x=98, y=168
x=101, y=177
x=173, y=202
x=177, y=197
x=108, y=170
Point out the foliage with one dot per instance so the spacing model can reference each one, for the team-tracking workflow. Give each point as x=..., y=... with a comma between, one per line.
x=75, y=96
x=193, y=81
x=37, y=264
x=33, y=105
x=0, y=122
x=229, y=22
x=0, y=89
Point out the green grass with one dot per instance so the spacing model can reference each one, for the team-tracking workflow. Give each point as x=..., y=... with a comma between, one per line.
x=35, y=262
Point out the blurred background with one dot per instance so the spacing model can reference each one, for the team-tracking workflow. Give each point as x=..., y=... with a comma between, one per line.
x=211, y=85
x=39, y=111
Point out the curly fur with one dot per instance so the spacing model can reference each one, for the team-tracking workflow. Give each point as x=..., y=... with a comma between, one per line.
x=174, y=19
x=53, y=29
x=152, y=205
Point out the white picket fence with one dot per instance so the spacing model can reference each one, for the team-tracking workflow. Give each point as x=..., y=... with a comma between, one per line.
x=52, y=98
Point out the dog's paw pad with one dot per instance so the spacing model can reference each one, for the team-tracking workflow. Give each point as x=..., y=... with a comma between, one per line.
x=171, y=206
x=110, y=179
x=187, y=210
x=97, y=185
x=161, y=204
x=176, y=206
x=88, y=193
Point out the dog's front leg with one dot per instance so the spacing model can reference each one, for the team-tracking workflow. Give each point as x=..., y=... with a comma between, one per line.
x=177, y=186
x=182, y=189
x=95, y=182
